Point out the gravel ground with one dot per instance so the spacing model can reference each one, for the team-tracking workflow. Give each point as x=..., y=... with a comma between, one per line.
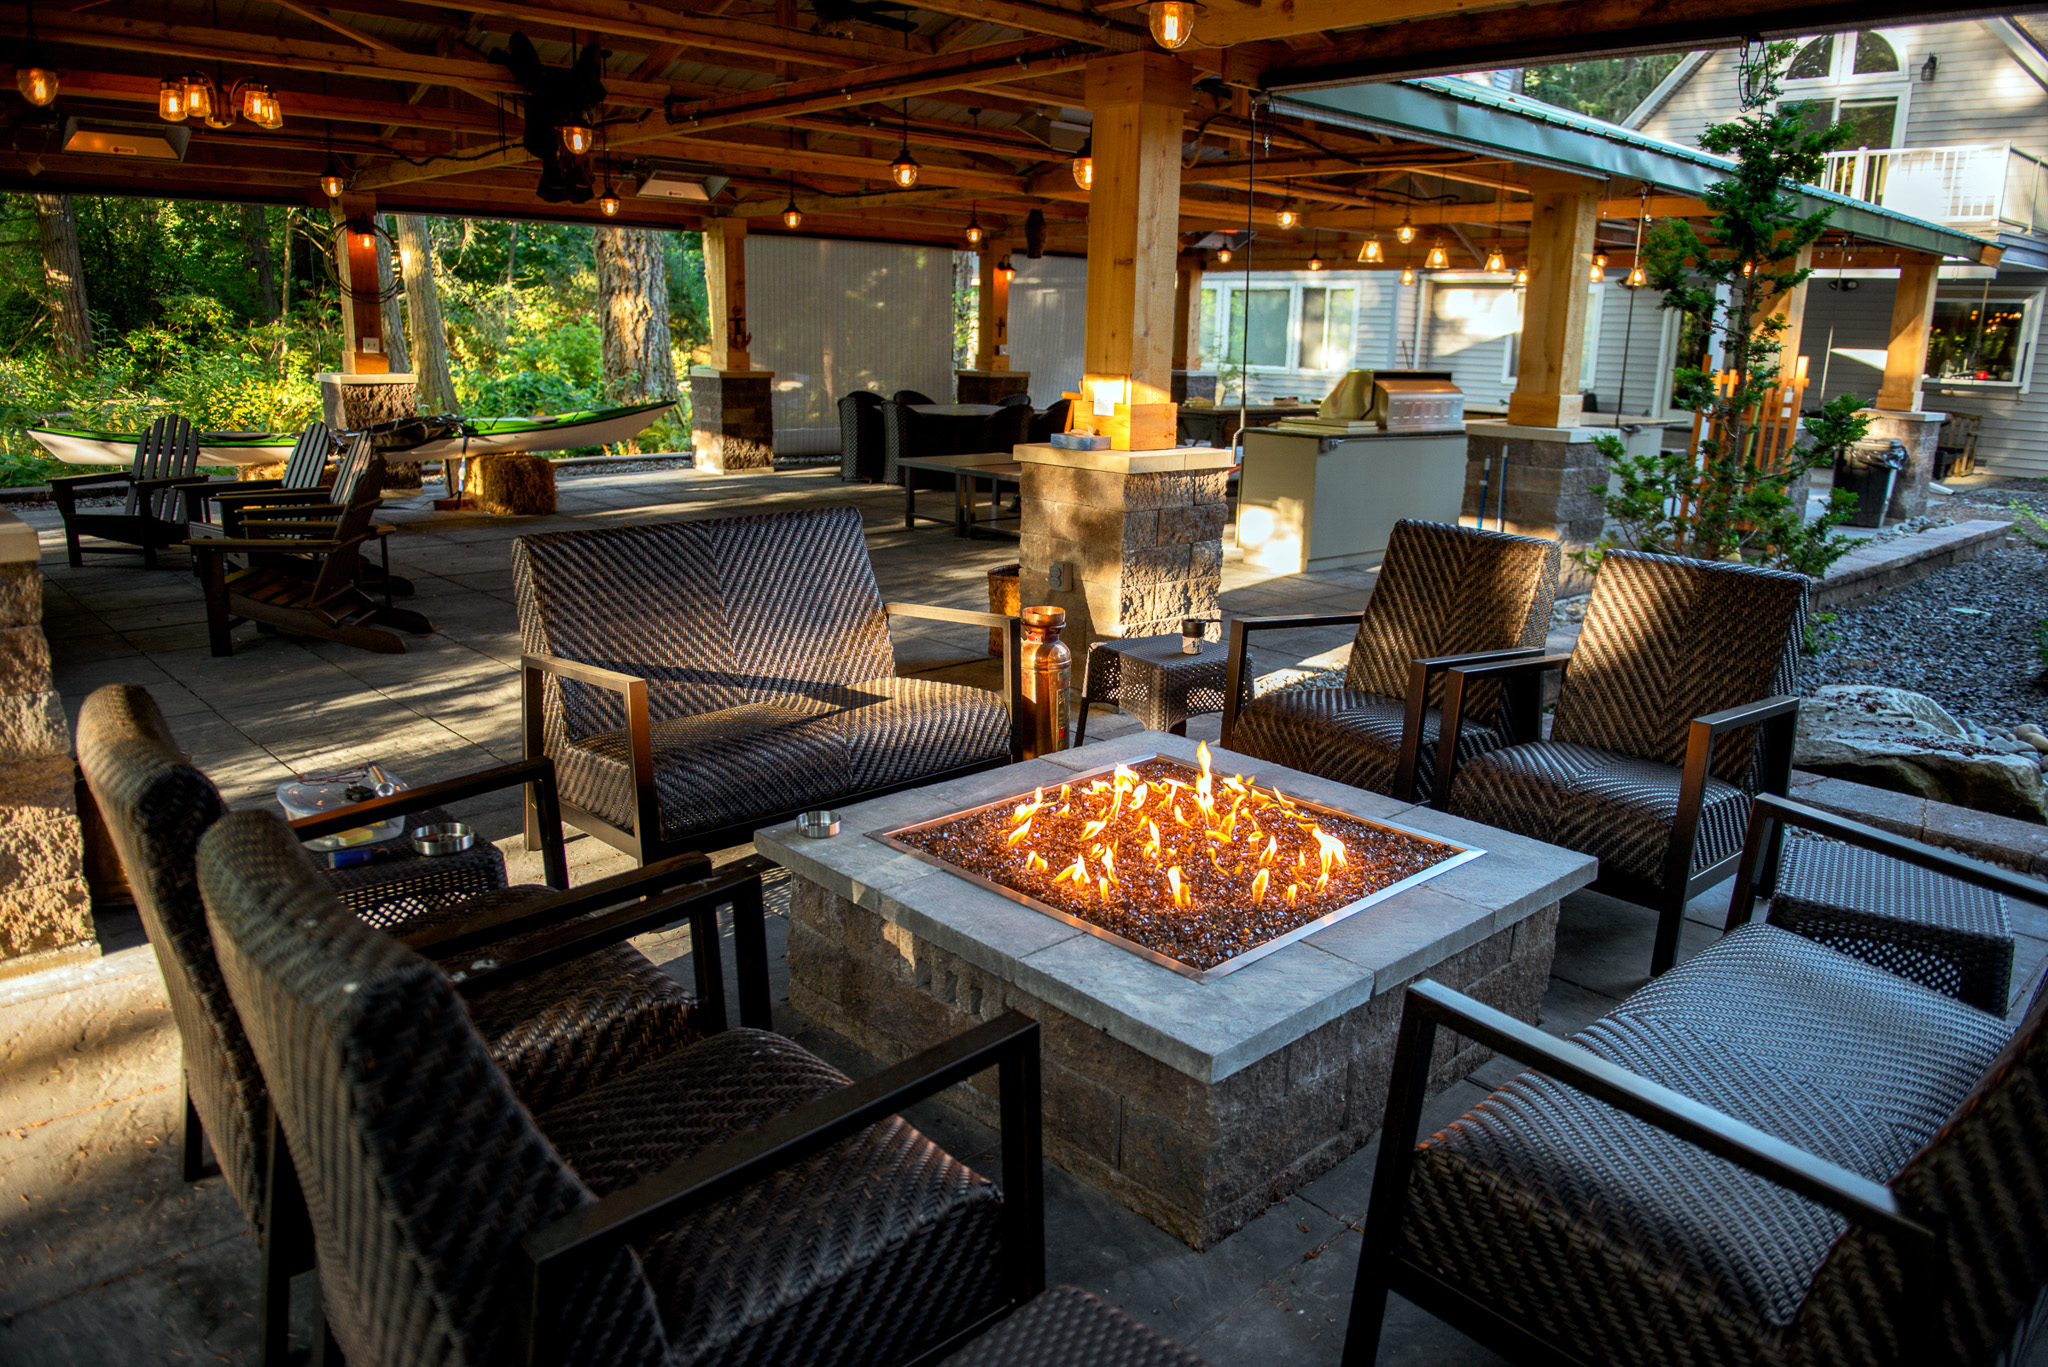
x=1965, y=636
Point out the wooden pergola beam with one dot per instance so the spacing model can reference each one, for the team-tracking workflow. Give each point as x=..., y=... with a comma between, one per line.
x=626, y=19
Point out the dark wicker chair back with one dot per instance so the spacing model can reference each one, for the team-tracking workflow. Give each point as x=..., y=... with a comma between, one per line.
x=860, y=436
x=421, y=1169
x=714, y=614
x=1447, y=590
x=1018, y=400
x=156, y=806
x=1668, y=639
x=1009, y=428
x=909, y=396
x=908, y=434
x=1054, y=419
x=168, y=450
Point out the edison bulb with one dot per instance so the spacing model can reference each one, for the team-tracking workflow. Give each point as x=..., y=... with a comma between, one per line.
x=1173, y=23
x=791, y=217
x=1407, y=275
x=1287, y=218
x=332, y=185
x=1495, y=262
x=1315, y=263
x=170, y=99
x=904, y=170
x=1374, y=253
x=1438, y=258
x=37, y=84
x=974, y=234
x=1406, y=232
x=577, y=139
x=1223, y=256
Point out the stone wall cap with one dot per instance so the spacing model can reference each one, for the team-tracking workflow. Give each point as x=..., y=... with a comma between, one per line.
x=18, y=542
x=1177, y=458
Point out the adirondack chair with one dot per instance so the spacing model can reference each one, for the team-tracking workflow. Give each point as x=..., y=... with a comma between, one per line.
x=166, y=459
x=304, y=578
x=260, y=516
x=305, y=471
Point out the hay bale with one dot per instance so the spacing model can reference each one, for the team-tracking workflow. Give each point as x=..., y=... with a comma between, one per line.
x=261, y=471
x=513, y=486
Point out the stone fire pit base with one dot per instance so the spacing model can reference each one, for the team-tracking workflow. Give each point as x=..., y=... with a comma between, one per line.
x=1196, y=1104
x=1197, y=1159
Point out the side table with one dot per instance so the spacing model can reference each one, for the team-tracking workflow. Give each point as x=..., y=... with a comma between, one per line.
x=1150, y=678
x=407, y=884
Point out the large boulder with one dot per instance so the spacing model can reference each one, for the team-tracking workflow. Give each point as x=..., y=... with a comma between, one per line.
x=1907, y=742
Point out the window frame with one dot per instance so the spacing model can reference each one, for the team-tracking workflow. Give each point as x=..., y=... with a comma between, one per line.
x=1842, y=83
x=1973, y=292
x=1218, y=345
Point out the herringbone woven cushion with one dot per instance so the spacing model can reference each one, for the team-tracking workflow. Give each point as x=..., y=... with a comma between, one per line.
x=421, y=1169
x=1668, y=639
x=771, y=678
x=1449, y=590
x=860, y=436
x=1068, y=1327
x=862, y=1254
x=1624, y=1245
x=1349, y=736
x=1618, y=808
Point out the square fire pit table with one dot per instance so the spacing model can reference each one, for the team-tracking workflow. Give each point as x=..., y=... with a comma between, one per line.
x=1195, y=1100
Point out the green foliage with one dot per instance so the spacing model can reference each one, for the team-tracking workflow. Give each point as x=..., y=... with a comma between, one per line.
x=1609, y=88
x=2031, y=526
x=1719, y=503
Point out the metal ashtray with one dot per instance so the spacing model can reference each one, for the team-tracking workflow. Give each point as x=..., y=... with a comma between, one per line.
x=443, y=837
x=818, y=824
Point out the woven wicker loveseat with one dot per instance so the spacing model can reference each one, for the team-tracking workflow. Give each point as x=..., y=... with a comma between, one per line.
x=1775, y=1153
x=694, y=681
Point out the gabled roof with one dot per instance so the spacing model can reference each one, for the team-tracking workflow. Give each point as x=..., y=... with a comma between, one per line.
x=1454, y=112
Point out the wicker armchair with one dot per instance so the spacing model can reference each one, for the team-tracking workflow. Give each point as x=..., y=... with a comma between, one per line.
x=908, y=396
x=1678, y=706
x=907, y=435
x=1053, y=419
x=860, y=436
x=693, y=681
x=738, y=1201
x=1775, y=1153
x=574, y=1026
x=1446, y=596
x=1009, y=427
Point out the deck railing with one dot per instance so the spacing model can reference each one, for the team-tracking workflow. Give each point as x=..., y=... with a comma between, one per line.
x=1978, y=189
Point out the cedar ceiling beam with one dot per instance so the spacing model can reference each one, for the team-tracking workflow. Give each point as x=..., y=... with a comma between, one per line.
x=134, y=89
x=1427, y=37
x=626, y=19
x=326, y=20
x=1051, y=21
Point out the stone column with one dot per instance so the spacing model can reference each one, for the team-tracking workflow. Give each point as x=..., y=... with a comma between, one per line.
x=732, y=421
x=45, y=908
x=1134, y=540
x=1544, y=481
x=1920, y=433
x=352, y=401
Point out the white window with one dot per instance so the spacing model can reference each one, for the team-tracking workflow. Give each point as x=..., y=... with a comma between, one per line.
x=1982, y=339
x=1292, y=324
x=1860, y=79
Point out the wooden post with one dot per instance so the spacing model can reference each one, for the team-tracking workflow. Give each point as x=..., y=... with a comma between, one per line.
x=1548, y=392
x=1792, y=306
x=1187, y=313
x=362, y=314
x=725, y=282
x=1138, y=100
x=1905, y=358
x=992, y=336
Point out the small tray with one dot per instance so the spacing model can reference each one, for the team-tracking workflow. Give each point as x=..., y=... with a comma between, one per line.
x=441, y=838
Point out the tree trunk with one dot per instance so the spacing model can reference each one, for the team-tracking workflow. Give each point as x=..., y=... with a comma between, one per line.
x=284, y=297
x=256, y=244
x=64, y=277
x=395, y=353
x=429, y=340
x=632, y=293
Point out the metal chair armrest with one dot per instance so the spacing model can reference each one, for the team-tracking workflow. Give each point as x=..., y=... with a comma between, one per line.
x=1009, y=1043
x=632, y=691
x=1241, y=629
x=1416, y=705
x=538, y=772
x=1451, y=719
x=1013, y=655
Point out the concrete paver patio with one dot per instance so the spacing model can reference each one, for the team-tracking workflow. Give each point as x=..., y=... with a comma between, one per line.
x=106, y=1257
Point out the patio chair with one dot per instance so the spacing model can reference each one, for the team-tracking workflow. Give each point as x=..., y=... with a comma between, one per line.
x=1017, y=400
x=166, y=458
x=910, y=435
x=694, y=681
x=1008, y=427
x=305, y=471
x=1775, y=1153
x=738, y=1201
x=1053, y=419
x=305, y=578
x=577, y=1025
x=860, y=436
x=909, y=396
x=1677, y=706
x=358, y=475
x=1446, y=596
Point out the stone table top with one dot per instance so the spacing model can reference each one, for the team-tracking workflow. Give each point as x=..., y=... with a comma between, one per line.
x=1208, y=1030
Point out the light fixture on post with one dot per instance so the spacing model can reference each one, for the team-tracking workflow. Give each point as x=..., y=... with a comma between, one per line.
x=1173, y=22
x=362, y=232
x=1005, y=269
x=1929, y=67
x=1084, y=165
x=37, y=84
x=903, y=170
x=1599, y=271
x=259, y=105
x=170, y=99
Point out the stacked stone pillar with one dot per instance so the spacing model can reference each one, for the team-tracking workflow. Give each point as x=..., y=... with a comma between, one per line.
x=1896, y=413
x=732, y=420
x=45, y=908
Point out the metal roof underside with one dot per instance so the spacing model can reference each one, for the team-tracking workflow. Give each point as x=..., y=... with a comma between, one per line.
x=1458, y=113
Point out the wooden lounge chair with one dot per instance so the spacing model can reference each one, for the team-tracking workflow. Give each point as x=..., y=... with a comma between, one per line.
x=304, y=578
x=262, y=514
x=305, y=471
x=166, y=458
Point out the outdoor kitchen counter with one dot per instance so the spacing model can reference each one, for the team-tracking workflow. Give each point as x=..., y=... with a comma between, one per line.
x=1196, y=1103
x=1310, y=502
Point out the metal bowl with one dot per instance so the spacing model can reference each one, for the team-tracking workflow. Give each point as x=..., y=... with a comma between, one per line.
x=818, y=824
x=443, y=837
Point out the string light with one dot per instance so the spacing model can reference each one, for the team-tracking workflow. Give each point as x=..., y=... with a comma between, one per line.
x=1173, y=22
x=1084, y=165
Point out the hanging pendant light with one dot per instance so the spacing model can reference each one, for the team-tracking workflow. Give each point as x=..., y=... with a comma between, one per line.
x=170, y=99
x=1223, y=256
x=1438, y=259
x=1287, y=217
x=973, y=227
x=1084, y=165
x=1315, y=260
x=1599, y=267
x=1495, y=262
x=1173, y=22
x=608, y=202
x=1406, y=232
x=332, y=183
x=904, y=169
x=198, y=96
x=1372, y=253
x=577, y=138
x=1637, y=278
x=37, y=84
x=1522, y=276
x=1407, y=275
